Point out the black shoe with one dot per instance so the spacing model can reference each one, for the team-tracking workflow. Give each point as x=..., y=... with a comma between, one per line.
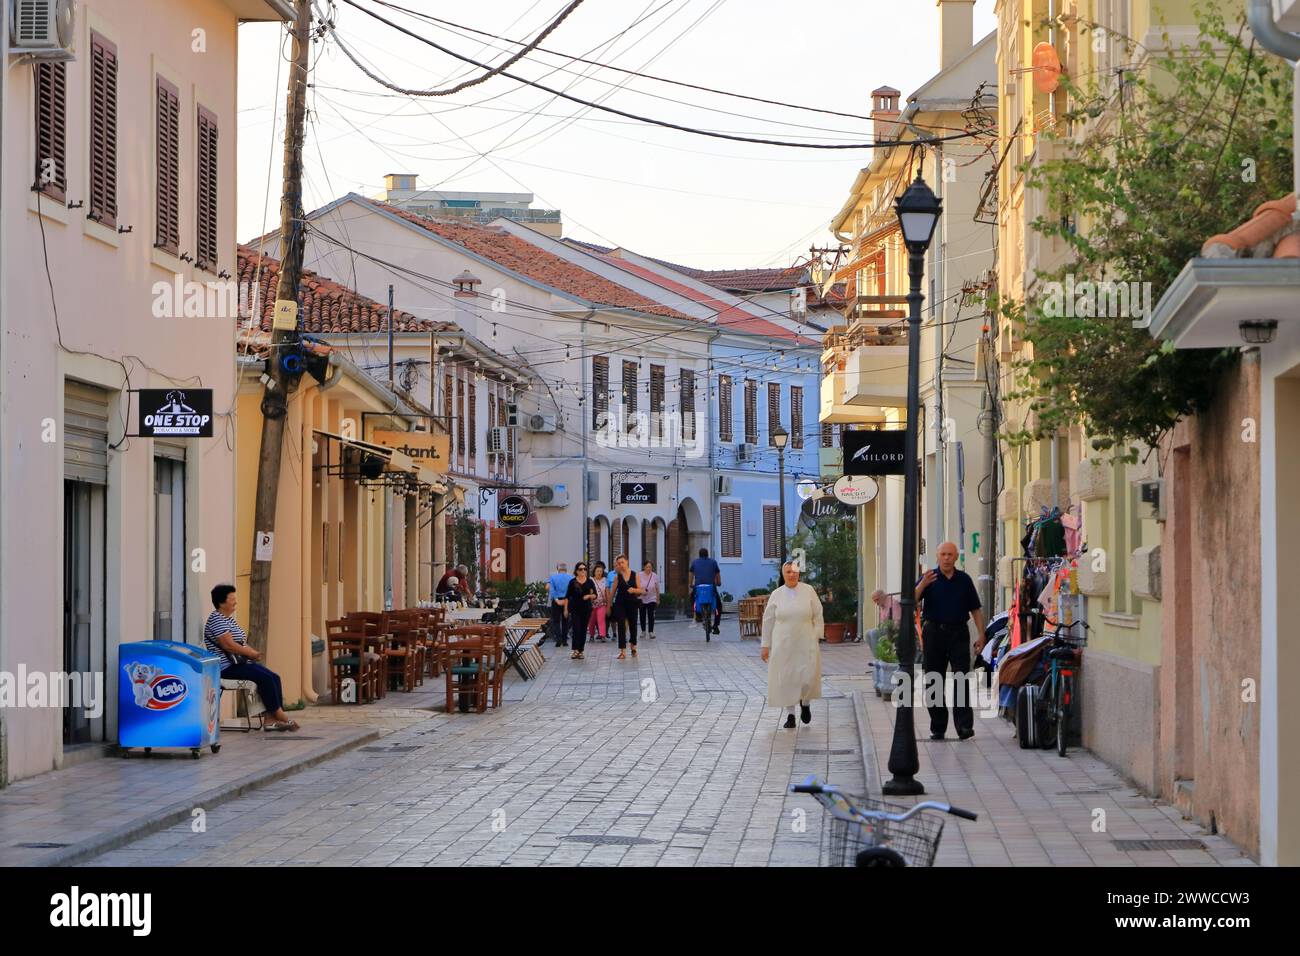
x=706, y=637
x=965, y=734
x=789, y=722
x=936, y=736
x=805, y=713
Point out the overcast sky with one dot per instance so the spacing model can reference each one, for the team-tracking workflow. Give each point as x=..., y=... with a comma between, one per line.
x=690, y=199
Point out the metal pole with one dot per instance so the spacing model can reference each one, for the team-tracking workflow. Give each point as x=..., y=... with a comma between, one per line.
x=390, y=338
x=904, y=761
x=584, y=428
x=388, y=548
x=780, y=477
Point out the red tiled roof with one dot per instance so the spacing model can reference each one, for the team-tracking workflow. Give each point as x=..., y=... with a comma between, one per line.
x=324, y=306
x=746, y=280
x=526, y=259
x=1261, y=236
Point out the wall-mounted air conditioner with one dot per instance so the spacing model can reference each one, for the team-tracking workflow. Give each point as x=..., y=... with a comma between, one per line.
x=512, y=415
x=722, y=485
x=746, y=451
x=498, y=439
x=44, y=29
x=540, y=423
x=551, y=496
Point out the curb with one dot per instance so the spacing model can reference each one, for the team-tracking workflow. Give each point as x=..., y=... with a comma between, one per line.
x=870, y=772
x=180, y=811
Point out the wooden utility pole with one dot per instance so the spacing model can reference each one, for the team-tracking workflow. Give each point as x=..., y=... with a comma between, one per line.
x=284, y=334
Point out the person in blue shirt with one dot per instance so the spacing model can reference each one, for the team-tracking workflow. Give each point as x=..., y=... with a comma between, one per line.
x=704, y=570
x=558, y=588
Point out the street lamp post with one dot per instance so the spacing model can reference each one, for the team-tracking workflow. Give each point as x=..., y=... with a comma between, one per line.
x=918, y=213
x=779, y=438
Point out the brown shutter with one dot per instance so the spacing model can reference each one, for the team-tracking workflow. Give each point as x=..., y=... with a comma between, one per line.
x=751, y=411
x=205, y=253
x=771, y=532
x=828, y=436
x=656, y=400
x=593, y=540
x=773, y=410
x=599, y=392
x=724, y=408
x=460, y=418
x=687, y=400
x=473, y=427
x=51, y=84
x=630, y=393
x=446, y=402
x=167, y=147
x=729, y=513
x=796, y=416
x=103, y=131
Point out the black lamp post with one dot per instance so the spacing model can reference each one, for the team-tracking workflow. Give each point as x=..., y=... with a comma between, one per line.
x=918, y=213
x=780, y=437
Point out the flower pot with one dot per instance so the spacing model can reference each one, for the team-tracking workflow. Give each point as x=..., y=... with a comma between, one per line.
x=883, y=678
x=835, y=633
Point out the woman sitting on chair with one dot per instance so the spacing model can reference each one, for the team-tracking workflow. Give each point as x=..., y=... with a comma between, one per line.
x=224, y=637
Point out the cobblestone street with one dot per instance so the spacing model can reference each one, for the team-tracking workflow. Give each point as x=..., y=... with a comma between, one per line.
x=671, y=759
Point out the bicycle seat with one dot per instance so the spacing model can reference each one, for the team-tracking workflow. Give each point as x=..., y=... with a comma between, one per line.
x=1061, y=653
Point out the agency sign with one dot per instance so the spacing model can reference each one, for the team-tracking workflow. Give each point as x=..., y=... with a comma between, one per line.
x=512, y=511
x=175, y=412
x=425, y=448
x=873, y=453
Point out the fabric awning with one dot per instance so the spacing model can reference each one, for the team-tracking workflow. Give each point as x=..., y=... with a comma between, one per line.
x=530, y=526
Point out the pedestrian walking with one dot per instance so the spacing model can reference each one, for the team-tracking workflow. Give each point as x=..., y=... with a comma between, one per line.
x=578, y=601
x=623, y=605
x=791, y=648
x=600, y=606
x=949, y=600
x=559, y=586
x=649, y=599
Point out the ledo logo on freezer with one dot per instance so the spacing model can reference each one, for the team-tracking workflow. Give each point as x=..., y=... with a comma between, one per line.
x=154, y=690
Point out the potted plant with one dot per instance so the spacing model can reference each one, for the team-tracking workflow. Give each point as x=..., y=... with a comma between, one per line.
x=729, y=604
x=886, y=662
x=667, y=609
x=830, y=557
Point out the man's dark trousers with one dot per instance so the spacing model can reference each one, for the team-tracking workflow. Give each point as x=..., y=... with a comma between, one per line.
x=557, y=624
x=947, y=645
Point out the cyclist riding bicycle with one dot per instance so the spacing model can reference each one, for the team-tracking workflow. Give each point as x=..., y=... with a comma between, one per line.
x=706, y=606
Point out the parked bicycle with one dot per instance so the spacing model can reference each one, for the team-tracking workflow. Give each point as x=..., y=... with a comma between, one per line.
x=867, y=832
x=1064, y=658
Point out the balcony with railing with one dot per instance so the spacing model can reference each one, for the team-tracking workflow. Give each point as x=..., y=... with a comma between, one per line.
x=864, y=368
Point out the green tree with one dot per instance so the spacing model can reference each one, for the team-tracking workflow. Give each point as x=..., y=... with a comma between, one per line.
x=830, y=559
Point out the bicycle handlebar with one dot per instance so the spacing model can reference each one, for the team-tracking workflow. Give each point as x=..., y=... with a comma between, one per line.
x=815, y=788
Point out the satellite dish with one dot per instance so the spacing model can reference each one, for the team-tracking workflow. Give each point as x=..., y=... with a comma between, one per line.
x=1047, y=68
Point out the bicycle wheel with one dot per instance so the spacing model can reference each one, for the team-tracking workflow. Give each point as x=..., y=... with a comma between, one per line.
x=1063, y=710
x=1051, y=694
x=880, y=856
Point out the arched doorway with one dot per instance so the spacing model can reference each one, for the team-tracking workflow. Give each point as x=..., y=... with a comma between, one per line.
x=632, y=542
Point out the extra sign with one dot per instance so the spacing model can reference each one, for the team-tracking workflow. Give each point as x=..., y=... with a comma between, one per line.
x=181, y=413
x=639, y=492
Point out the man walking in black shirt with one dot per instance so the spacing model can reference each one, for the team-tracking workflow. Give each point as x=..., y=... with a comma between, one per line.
x=949, y=601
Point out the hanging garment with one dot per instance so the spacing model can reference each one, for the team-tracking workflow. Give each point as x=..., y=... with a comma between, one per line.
x=1051, y=537
x=1073, y=528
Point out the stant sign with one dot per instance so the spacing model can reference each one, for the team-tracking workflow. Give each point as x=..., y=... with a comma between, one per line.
x=639, y=492
x=873, y=452
x=512, y=511
x=184, y=413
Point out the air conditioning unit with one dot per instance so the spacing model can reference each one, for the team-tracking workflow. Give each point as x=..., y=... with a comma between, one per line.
x=593, y=486
x=746, y=452
x=551, y=496
x=512, y=415
x=1152, y=492
x=540, y=423
x=45, y=29
x=498, y=439
x=722, y=485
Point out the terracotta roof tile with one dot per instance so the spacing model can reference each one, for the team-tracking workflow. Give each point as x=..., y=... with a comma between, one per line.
x=1271, y=232
x=324, y=306
x=524, y=258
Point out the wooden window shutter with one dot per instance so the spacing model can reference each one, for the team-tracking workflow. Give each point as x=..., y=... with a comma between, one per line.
x=205, y=254
x=656, y=400
x=686, y=397
x=51, y=84
x=751, y=411
x=796, y=416
x=729, y=512
x=460, y=417
x=773, y=410
x=473, y=415
x=630, y=393
x=771, y=532
x=828, y=436
x=724, y=408
x=167, y=151
x=599, y=392
x=103, y=131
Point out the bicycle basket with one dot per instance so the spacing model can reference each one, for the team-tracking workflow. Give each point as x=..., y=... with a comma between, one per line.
x=916, y=840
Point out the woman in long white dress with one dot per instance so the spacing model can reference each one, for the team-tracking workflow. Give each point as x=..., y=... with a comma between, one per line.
x=792, y=630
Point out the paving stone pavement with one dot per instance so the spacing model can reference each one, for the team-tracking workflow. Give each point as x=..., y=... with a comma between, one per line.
x=672, y=759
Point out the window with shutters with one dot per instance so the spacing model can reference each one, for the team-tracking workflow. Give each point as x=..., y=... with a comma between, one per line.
x=599, y=392
x=460, y=418
x=102, y=204
x=51, y=129
x=472, y=427
x=686, y=394
x=492, y=424
x=205, y=238
x=828, y=435
x=796, y=416
x=167, y=154
x=729, y=522
x=724, y=408
x=773, y=410
x=630, y=394
x=656, y=400
x=771, y=532
x=447, y=407
x=751, y=411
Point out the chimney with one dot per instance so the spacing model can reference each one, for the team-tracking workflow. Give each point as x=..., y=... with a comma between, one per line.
x=956, y=30
x=885, y=113
x=399, y=183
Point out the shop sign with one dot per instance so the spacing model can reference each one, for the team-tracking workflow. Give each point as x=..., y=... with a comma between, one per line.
x=512, y=511
x=175, y=412
x=873, y=452
x=856, y=489
x=639, y=492
x=425, y=448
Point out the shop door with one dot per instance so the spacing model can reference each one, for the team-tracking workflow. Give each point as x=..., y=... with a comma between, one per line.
x=83, y=601
x=169, y=549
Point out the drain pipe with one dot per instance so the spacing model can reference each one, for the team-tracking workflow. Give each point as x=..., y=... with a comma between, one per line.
x=1259, y=15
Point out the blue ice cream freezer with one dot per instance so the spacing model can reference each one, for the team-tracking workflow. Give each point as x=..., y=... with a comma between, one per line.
x=169, y=695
